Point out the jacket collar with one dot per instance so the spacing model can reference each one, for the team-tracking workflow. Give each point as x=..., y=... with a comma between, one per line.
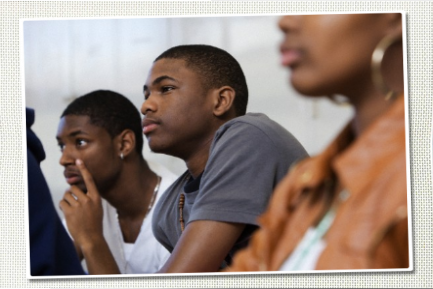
x=348, y=158
x=369, y=155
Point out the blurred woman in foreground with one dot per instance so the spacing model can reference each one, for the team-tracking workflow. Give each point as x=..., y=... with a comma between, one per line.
x=347, y=207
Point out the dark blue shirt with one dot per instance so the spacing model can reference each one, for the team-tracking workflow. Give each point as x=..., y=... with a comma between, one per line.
x=51, y=250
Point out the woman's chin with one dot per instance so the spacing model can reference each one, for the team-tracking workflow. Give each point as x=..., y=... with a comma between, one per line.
x=308, y=90
x=309, y=87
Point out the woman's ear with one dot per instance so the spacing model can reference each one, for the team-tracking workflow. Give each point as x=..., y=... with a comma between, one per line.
x=126, y=142
x=224, y=100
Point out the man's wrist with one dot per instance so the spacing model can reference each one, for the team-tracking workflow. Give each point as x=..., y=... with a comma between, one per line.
x=90, y=243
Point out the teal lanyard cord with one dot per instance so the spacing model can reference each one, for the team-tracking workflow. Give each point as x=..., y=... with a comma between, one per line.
x=321, y=229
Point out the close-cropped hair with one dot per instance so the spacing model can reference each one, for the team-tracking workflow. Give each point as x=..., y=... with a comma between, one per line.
x=216, y=67
x=111, y=111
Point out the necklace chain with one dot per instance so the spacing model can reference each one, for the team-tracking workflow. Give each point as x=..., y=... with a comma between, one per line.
x=151, y=203
x=155, y=192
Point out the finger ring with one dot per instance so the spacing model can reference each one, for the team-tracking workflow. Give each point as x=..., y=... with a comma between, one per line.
x=74, y=196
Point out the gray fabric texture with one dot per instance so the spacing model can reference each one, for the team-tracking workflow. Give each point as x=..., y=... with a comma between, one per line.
x=249, y=155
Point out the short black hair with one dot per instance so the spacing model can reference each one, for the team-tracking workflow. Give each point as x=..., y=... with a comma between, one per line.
x=111, y=111
x=216, y=67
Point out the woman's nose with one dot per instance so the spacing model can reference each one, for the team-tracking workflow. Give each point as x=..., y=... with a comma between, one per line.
x=289, y=22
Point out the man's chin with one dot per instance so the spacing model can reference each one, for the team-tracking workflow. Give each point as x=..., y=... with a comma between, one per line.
x=156, y=147
x=81, y=186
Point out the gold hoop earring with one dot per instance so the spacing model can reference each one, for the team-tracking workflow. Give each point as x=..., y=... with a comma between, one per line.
x=376, y=64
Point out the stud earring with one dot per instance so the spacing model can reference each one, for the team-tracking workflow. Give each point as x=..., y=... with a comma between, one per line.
x=121, y=155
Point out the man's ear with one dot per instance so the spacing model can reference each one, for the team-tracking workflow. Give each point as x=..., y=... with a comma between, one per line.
x=223, y=100
x=126, y=142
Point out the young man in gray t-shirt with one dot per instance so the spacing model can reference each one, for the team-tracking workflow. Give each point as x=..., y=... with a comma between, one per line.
x=195, y=109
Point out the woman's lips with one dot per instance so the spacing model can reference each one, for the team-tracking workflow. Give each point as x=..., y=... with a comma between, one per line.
x=290, y=57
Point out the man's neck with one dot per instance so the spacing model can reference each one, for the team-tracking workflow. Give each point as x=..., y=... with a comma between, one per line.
x=197, y=161
x=133, y=191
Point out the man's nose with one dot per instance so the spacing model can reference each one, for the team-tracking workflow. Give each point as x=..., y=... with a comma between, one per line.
x=67, y=157
x=149, y=105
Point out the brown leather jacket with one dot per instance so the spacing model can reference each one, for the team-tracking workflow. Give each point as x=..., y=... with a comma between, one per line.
x=370, y=229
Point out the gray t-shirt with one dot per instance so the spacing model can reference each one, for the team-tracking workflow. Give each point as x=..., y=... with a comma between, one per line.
x=249, y=155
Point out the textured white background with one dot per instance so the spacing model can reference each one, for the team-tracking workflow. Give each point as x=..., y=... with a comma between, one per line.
x=12, y=199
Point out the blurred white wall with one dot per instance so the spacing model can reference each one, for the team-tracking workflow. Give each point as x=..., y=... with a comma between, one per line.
x=64, y=59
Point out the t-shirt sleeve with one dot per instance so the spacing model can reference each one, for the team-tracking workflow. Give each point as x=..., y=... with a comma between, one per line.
x=243, y=168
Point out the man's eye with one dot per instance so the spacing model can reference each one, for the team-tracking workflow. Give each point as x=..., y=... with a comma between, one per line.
x=61, y=146
x=81, y=142
x=167, y=88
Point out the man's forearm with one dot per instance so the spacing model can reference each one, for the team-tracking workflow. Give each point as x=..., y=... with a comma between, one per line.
x=99, y=259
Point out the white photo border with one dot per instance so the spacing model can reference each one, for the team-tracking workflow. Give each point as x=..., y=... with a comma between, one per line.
x=14, y=226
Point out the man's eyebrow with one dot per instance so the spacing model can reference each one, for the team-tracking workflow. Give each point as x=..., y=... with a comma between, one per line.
x=74, y=133
x=158, y=80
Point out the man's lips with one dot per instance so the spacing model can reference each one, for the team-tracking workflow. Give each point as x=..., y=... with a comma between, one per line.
x=149, y=125
x=290, y=56
x=72, y=178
